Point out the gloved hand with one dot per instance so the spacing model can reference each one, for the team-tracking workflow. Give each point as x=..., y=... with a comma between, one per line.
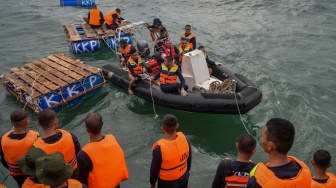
x=218, y=64
x=184, y=93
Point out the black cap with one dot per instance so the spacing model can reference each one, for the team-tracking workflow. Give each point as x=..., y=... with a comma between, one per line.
x=133, y=50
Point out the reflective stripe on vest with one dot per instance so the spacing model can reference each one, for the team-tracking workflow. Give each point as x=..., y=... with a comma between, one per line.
x=188, y=38
x=108, y=17
x=266, y=178
x=330, y=183
x=109, y=165
x=186, y=49
x=235, y=181
x=172, y=50
x=65, y=145
x=168, y=76
x=125, y=51
x=15, y=149
x=94, y=17
x=137, y=67
x=175, y=154
x=29, y=183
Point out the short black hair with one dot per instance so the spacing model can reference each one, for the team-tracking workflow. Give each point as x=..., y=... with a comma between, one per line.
x=188, y=26
x=200, y=47
x=118, y=10
x=281, y=132
x=17, y=116
x=169, y=58
x=246, y=143
x=94, y=122
x=169, y=123
x=322, y=158
x=46, y=117
x=94, y=6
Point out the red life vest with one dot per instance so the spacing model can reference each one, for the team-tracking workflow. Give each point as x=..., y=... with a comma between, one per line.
x=94, y=17
x=108, y=17
x=330, y=183
x=15, y=149
x=168, y=76
x=172, y=50
x=137, y=67
x=154, y=65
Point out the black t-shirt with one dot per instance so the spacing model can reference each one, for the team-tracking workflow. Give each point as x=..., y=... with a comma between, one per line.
x=321, y=181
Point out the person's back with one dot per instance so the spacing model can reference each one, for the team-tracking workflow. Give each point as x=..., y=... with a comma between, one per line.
x=281, y=170
x=234, y=173
x=15, y=144
x=321, y=162
x=95, y=17
x=101, y=163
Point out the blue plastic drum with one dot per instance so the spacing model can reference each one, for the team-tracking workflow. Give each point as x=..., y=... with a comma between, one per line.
x=85, y=46
x=50, y=99
x=87, y=3
x=92, y=81
x=110, y=41
x=72, y=90
x=69, y=2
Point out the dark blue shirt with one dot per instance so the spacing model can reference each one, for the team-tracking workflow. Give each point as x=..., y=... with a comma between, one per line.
x=209, y=62
x=130, y=68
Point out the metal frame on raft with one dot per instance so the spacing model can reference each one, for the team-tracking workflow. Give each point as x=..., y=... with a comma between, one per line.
x=53, y=81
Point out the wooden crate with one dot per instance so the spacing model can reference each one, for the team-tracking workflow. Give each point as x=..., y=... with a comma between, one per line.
x=52, y=81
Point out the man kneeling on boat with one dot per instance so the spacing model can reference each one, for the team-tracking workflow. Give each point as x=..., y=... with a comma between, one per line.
x=168, y=74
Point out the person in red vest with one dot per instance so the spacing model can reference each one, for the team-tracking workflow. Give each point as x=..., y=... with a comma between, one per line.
x=54, y=139
x=183, y=49
x=113, y=19
x=95, y=17
x=15, y=144
x=168, y=49
x=125, y=50
x=54, y=171
x=171, y=160
x=101, y=162
x=190, y=37
x=281, y=170
x=235, y=173
x=322, y=178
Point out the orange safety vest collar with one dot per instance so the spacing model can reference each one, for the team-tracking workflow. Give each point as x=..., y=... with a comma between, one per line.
x=330, y=183
x=94, y=17
x=29, y=183
x=168, y=76
x=189, y=37
x=175, y=154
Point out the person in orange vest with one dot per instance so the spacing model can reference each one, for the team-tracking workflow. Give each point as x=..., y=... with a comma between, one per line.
x=190, y=37
x=113, y=19
x=95, y=17
x=235, y=173
x=183, y=49
x=2, y=185
x=15, y=144
x=54, y=139
x=281, y=170
x=101, y=162
x=125, y=50
x=168, y=74
x=168, y=49
x=322, y=178
x=135, y=68
x=54, y=171
x=27, y=165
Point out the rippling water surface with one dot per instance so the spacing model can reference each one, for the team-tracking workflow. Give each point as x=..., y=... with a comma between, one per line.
x=286, y=47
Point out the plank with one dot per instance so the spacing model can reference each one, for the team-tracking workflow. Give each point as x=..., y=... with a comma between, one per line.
x=99, y=31
x=109, y=32
x=21, y=85
x=78, y=64
x=39, y=78
x=69, y=66
x=74, y=36
x=88, y=30
x=55, y=72
x=36, y=85
x=61, y=69
x=46, y=75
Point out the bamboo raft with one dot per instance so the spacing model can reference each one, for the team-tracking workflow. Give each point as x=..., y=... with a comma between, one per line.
x=51, y=82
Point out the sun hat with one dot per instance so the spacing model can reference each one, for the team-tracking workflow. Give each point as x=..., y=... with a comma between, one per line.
x=157, y=21
x=27, y=162
x=52, y=169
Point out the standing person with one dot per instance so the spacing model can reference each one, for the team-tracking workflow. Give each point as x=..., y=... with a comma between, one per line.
x=54, y=139
x=113, y=19
x=101, y=163
x=95, y=17
x=322, y=178
x=135, y=68
x=27, y=165
x=54, y=171
x=168, y=49
x=125, y=50
x=208, y=61
x=190, y=37
x=236, y=172
x=158, y=32
x=183, y=49
x=15, y=144
x=171, y=160
x=281, y=170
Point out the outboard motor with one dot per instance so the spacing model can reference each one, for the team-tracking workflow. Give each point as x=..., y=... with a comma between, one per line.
x=143, y=49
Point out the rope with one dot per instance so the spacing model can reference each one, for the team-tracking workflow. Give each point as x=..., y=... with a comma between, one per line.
x=151, y=92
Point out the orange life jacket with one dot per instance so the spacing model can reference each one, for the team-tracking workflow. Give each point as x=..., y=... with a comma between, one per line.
x=330, y=183
x=189, y=37
x=15, y=149
x=109, y=165
x=172, y=50
x=186, y=49
x=266, y=178
x=29, y=183
x=65, y=145
x=125, y=51
x=137, y=67
x=72, y=183
x=231, y=179
x=108, y=17
x=168, y=76
x=94, y=17
x=175, y=154
x=154, y=65
x=2, y=186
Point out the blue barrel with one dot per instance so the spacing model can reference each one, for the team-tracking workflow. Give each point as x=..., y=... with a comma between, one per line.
x=87, y=3
x=68, y=2
x=80, y=31
x=111, y=40
x=78, y=26
x=50, y=99
x=72, y=90
x=92, y=81
x=80, y=47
